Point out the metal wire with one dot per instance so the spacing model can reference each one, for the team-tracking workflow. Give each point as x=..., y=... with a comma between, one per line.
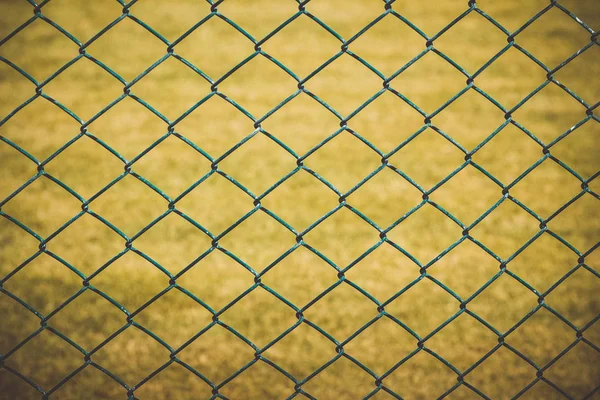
x=387, y=9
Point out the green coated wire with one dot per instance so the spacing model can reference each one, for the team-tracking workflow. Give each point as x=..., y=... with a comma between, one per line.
x=257, y=198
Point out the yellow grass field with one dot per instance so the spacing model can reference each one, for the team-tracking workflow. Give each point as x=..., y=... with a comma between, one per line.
x=234, y=282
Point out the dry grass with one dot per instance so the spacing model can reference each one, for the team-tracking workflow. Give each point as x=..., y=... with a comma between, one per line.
x=129, y=128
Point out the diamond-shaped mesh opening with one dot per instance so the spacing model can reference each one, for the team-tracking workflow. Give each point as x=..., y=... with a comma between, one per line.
x=22, y=323
x=384, y=272
x=385, y=197
x=439, y=232
x=388, y=45
x=249, y=317
x=472, y=41
x=582, y=65
x=543, y=262
x=381, y=345
x=507, y=385
x=90, y=380
x=111, y=205
x=164, y=166
x=217, y=279
x=254, y=172
x=469, y=184
x=84, y=88
x=412, y=307
x=179, y=243
x=160, y=316
x=336, y=84
x=500, y=80
x=564, y=298
x=123, y=355
x=268, y=381
x=60, y=206
x=340, y=379
x=295, y=194
x=557, y=31
x=434, y=376
x=515, y=300
x=583, y=382
x=45, y=346
x=69, y=14
x=382, y=199
x=430, y=82
x=128, y=128
x=160, y=387
x=349, y=305
x=462, y=119
x=579, y=149
x=216, y=126
x=508, y=154
x=550, y=113
x=548, y=181
x=302, y=123
x=127, y=272
x=387, y=121
x=575, y=219
x=342, y=237
x=528, y=338
x=86, y=244
x=337, y=162
x=172, y=75
x=259, y=85
x=40, y=128
x=427, y=158
x=302, y=351
x=463, y=342
x=259, y=240
x=90, y=329
x=305, y=32
x=39, y=61
x=465, y=269
x=215, y=47
x=217, y=354
x=127, y=48
x=300, y=277
x=85, y=167
x=171, y=22
x=52, y=283
x=356, y=16
x=506, y=229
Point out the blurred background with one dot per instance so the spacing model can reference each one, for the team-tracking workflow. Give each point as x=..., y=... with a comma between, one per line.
x=560, y=265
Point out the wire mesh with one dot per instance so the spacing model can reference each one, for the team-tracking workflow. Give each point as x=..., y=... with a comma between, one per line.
x=389, y=8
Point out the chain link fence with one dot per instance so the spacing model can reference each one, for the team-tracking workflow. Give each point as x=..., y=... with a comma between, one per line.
x=424, y=267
